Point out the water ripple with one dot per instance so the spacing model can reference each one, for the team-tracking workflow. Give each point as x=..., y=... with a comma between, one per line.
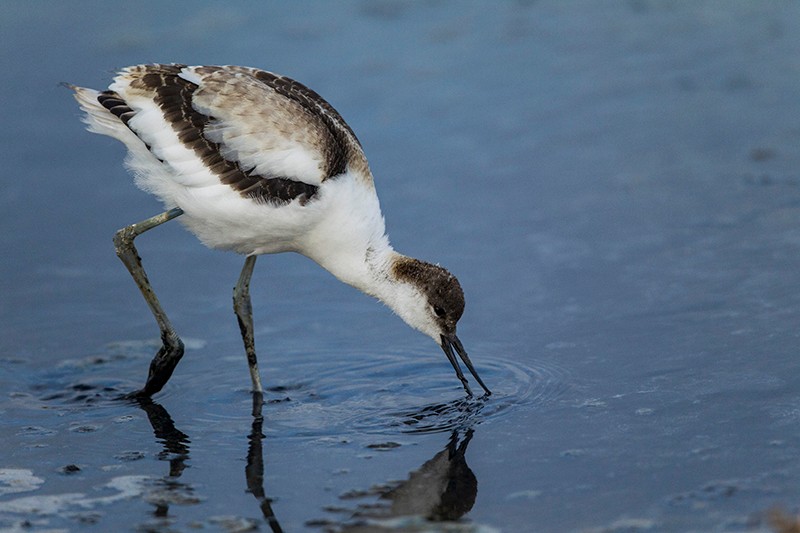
x=331, y=394
x=388, y=393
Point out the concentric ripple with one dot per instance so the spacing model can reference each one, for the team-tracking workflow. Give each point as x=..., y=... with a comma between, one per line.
x=387, y=393
x=326, y=394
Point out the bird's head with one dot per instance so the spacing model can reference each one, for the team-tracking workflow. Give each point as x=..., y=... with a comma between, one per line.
x=430, y=299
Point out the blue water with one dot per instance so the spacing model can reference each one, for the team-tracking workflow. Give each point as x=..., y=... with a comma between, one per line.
x=616, y=185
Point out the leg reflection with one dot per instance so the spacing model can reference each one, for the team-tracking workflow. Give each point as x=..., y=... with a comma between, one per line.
x=254, y=471
x=176, y=443
x=175, y=450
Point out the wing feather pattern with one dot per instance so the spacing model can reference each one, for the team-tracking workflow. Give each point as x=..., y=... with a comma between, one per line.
x=269, y=137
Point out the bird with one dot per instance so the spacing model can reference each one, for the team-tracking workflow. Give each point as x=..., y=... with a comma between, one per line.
x=257, y=163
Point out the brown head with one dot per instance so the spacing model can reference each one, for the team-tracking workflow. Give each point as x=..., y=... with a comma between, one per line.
x=432, y=303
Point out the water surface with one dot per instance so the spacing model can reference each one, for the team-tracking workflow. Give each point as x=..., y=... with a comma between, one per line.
x=615, y=184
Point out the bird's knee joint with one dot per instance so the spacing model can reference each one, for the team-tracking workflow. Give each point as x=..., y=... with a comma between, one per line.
x=172, y=340
x=123, y=239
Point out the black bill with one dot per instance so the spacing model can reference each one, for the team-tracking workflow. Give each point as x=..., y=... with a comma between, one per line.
x=448, y=343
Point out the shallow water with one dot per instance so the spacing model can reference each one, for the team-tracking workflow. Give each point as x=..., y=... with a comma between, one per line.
x=615, y=184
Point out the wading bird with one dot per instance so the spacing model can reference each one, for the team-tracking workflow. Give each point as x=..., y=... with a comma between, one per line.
x=257, y=163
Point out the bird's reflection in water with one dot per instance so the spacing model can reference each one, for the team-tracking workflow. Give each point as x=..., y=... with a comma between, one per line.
x=168, y=490
x=254, y=471
x=443, y=489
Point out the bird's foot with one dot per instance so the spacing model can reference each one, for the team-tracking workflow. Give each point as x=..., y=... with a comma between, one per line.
x=161, y=367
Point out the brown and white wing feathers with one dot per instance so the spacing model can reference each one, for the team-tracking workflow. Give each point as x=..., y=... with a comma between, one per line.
x=267, y=136
x=273, y=124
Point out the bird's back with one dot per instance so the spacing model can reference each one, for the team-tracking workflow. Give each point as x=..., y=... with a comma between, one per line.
x=223, y=140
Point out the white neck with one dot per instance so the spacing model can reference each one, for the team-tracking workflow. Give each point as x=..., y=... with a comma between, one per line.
x=370, y=269
x=350, y=241
x=366, y=267
x=378, y=280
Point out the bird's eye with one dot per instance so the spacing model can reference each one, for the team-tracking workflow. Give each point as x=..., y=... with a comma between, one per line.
x=438, y=310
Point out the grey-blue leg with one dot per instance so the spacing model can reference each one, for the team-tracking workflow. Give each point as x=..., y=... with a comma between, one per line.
x=167, y=358
x=244, y=313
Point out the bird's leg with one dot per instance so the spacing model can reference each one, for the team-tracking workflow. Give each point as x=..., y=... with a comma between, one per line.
x=244, y=313
x=165, y=361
